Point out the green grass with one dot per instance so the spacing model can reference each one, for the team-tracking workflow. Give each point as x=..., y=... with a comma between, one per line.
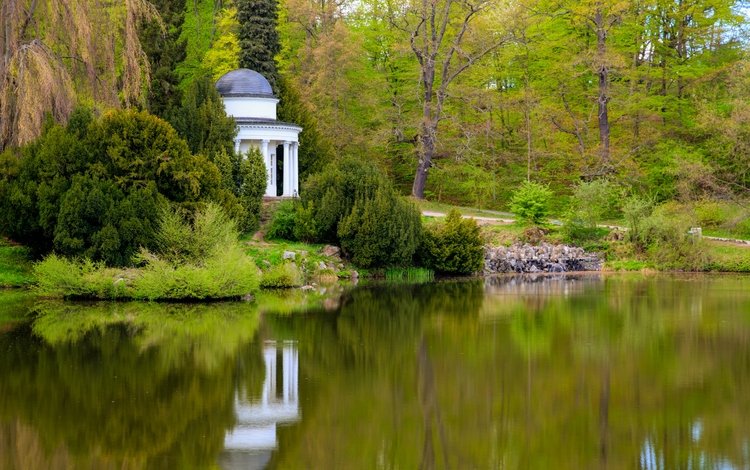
x=725, y=233
x=628, y=265
x=726, y=257
x=15, y=266
x=273, y=251
x=472, y=211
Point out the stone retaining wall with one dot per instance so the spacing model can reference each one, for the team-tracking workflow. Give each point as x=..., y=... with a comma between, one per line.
x=536, y=259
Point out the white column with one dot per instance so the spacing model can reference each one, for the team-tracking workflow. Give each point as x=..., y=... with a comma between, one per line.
x=267, y=162
x=295, y=155
x=287, y=169
x=274, y=162
x=237, y=145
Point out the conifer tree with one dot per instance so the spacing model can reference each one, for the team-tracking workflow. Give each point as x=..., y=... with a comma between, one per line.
x=165, y=49
x=259, y=40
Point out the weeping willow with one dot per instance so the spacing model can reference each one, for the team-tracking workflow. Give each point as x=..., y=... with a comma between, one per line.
x=57, y=52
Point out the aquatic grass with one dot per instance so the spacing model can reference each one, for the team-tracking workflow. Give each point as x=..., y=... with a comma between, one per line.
x=409, y=275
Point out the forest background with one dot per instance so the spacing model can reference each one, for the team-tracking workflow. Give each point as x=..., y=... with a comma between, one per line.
x=479, y=95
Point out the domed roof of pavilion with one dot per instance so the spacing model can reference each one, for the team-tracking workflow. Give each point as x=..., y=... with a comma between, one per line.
x=244, y=82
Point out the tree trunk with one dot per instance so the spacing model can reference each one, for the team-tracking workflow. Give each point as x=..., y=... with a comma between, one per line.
x=426, y=152
x=428, y=130
x=603, y=98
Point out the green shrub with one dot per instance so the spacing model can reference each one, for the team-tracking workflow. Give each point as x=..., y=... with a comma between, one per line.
x=282, y=276
x=384, y=230
x=664, y=236
x=353, y=204
x=711, y=213
x=742, y=228
x=576, y=230
x=181, y=241
x=283, y=222
x=329, y=196
x=530, y=203
x=593, y=201
x=229, y=273
x=95, y=188
x=250, y=186
x=454, y=247
x=635, y=210
x=306, y=227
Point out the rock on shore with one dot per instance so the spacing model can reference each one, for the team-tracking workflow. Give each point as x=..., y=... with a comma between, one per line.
x=537, y=259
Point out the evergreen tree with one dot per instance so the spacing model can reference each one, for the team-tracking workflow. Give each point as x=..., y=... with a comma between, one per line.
x=202, y=120
x=165, y=49
x=314, y=149
x=259, y=40
x=205, y=126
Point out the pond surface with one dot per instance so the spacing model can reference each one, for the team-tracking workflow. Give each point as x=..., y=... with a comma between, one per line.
x=552, y=372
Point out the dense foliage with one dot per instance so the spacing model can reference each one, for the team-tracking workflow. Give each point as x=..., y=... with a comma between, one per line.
x=454, y=247
x=95, y=187
x=592, y=202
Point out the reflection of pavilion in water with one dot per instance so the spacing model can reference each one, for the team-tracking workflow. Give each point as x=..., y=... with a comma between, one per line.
x=251, y=442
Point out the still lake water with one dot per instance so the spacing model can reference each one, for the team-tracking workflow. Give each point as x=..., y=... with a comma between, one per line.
x=556, y=372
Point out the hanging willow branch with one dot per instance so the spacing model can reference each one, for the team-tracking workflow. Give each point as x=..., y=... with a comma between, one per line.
x=52, y=52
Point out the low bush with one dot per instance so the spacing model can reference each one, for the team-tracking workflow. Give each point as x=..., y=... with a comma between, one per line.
x=15, y=266
x=530, y=203
x=578, y=231
x=381, y=230
x=329, y=196
x=455, y=247
x=663, y=235
x=636, y=210
x=281, y=276
x=283, y=222
x=352, y=204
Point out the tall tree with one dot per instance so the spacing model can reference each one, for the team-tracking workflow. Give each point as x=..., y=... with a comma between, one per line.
x=259, y=44
x=438, y=30
x=165, y=50
x=259, y=40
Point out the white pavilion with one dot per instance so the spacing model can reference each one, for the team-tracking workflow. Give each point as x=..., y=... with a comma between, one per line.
x=249, y=98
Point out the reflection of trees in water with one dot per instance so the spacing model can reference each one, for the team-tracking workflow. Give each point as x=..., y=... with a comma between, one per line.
x=625, y=360
x=125, y=385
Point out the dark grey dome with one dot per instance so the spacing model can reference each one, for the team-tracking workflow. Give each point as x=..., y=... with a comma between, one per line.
x=243, y=82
